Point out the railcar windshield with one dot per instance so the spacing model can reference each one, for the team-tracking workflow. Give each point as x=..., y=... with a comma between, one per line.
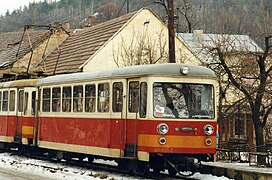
x=182, y=100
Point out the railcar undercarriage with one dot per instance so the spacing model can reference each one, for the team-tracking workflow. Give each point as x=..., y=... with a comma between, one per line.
x=174, y=163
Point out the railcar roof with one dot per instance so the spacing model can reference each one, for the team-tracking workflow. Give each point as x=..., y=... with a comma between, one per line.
x=168, y=69
x=19, y=83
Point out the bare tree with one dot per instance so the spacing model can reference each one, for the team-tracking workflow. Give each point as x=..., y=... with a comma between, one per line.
x=250, y=74
x=188, y=15
x=109, y=11
x=141, y=49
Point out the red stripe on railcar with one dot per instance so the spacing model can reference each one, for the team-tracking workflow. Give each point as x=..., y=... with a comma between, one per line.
x=106, y=133
x=87, y=132
x=8, y=125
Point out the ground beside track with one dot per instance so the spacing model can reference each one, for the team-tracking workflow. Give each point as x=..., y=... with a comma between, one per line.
x=44, y=169
x=239, y=171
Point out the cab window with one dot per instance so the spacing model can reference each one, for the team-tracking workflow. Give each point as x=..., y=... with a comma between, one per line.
x=143, y=100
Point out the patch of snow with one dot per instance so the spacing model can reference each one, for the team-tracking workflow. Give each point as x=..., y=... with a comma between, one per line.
x=50, y=170
x=208, y=177
x=38, y=169
x=240, y=166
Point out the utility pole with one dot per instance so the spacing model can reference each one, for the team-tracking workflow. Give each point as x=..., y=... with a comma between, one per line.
x=171, y=32
x=127, y=6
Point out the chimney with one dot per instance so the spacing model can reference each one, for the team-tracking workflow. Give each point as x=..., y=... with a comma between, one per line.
x=91, y=21
x=198, y=34
x=66, y=26
x=57, y=27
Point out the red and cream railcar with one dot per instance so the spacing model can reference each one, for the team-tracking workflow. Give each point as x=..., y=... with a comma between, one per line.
x=142, y=116
x=17, y=117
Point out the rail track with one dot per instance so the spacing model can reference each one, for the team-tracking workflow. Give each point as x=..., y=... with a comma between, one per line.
x=74, y=162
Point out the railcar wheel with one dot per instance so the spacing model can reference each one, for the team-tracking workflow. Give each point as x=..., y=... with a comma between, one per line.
x=172, y=172
x=156, y=171
x=3, y=146
x=141, y=168
x=90, y=159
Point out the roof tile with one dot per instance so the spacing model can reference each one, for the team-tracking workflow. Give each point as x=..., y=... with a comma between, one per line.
x=81, y=45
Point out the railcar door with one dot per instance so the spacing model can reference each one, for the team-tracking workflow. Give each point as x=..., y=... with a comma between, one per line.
x=131, y=124
x=19, y=116
x=25, y=115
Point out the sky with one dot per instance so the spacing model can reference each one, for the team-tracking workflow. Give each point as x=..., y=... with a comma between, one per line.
x=13, y=4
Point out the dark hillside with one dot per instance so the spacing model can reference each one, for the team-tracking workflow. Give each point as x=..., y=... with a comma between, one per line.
x=252, y=17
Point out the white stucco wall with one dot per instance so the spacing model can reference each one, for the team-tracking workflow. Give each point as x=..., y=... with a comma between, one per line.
x=146, y=27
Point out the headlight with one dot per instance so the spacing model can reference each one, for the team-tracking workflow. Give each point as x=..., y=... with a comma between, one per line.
x=162, y=128
x=184, y=70
x=208, y=141
x=162, y=140
x=208, y=129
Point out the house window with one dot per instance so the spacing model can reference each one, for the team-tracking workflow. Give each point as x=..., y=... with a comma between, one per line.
x=239, y=126
x=223, y=127
x=90, y=98
x=66, y=99
x=103, y=97
x=78, y=99
x=117, y=97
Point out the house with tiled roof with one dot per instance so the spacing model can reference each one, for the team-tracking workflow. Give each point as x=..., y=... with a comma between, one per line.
x=21, y=50
x=240, y=51
x=127, y=40
x=200, y=43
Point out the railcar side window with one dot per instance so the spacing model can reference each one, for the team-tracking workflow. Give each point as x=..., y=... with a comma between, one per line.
x=103, y=97
x=117, y=97
x=66, y=99
x=133, y=96
x=33, y=102
x=78, y=99
x=90, y=98
x=20, y=103
x=5, y=101
x=56, y=99
x=46, y=99
x=0, y=100
x=188, y=101
x=12, y=100
x=143, y=100
x=26, y=103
